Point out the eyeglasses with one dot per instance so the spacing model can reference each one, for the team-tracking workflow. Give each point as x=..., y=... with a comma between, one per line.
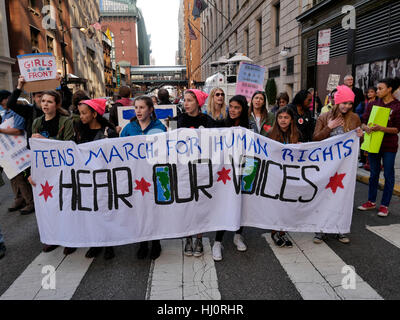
x=220, y=94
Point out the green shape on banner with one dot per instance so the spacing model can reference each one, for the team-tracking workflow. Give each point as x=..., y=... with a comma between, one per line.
x=373, y=141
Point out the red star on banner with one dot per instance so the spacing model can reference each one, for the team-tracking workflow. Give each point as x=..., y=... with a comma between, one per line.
x=223, y=175
x=46, y=191
x=143, y=186
x=335, y=182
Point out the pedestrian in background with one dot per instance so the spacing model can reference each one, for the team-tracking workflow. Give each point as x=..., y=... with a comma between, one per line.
x=302, y=116
x=281, y=101
x=216, y=107
x=260, y=120
x=155, y=100
x=389, y=146
x=238, y=115
x=339, y=120
x=57, y=125
x=330, y=103
x=124, y=101
x=359, y=95
x=92, y=127
x=145, y=123
x=23, y=197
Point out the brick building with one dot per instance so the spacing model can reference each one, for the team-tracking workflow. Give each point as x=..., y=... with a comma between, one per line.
x=27, y=34
x=260, y=29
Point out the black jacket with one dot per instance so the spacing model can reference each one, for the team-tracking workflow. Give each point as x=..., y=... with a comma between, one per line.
x=358, y=98
x=305, y=123
x=202, y=120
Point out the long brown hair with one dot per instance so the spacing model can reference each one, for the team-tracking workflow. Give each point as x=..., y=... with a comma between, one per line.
x=57, y=99
x=292, y=133
x=211, y=104
x=335, y=113
x=264, y=111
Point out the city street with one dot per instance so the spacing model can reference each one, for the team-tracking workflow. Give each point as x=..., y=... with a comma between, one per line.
x=263, y=272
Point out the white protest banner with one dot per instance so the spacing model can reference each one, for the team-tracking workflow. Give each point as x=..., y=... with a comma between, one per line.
x=250, y=79
x=39, y=71
x=14, y=154
x=125, y=114
x=189, y=181
x=333, y=81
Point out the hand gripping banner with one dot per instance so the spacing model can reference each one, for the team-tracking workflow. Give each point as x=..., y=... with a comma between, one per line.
x=187, y=181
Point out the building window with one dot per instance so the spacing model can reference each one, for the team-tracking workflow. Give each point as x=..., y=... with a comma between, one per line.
x=259, y=35
x=277, y=13
x=274, y=72
x=237, y=5
x=246, y=41
x=46, y=2
x=35, y=40
x=33, y=4
x=221, y=5
x=50, y=45
x=290, y=66
x=229, y=10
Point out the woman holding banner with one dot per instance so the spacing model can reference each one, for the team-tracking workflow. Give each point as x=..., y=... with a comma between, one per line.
x=193, y=118
x=388, y=149
x=55, y=124
x=145, y=122
x=238, y=115
x=339, y=120
x=91, y=127
x=216, y=107
x=259, y=118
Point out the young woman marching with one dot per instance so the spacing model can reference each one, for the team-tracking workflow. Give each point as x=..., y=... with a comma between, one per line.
x=55, y=124
x=216, y=107
x=192, y=118
x=389, y=147
x=144, y=123
x=339, y=120
x=92, y=126
x=237, y=116
x=300, y=107
x=284, y=131
x=259, y=118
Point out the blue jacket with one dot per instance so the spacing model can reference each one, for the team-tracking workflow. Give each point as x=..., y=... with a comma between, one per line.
x=133, y=128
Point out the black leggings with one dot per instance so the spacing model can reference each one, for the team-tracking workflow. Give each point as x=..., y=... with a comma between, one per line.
x=220, y=234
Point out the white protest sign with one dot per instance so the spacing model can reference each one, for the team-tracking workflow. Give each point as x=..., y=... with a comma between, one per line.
x=37, y=66
x=125, y=114
x=250, y=79
x=190, y=181
x=333, y=81
x=14, y=154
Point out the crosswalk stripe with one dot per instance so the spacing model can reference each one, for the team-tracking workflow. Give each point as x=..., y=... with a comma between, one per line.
x=173, y=276
x=316, y=270
x=69, y=271
x=390, y=233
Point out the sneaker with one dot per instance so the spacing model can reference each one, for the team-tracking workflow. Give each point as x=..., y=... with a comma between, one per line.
x=342, y=238
x=238, y=241
x=49, y=247
x=217, y=251
x=198, y=248
x=285, y=238
x=109, y=253
x=68, y=250
x=27, y=210
x=367, y=206
x=143, y=250
x=2, y=250
x=188, y=247
x=318, y=238
x=383, y=211
x=277, y=239
x=155, y=250
x=93, y=252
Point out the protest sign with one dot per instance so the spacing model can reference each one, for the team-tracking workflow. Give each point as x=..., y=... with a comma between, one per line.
x=190, y=181
x=14, y=154
x=39, y=71
x=125, y=114
x=333, y=81
x=373, y=141
x=250, y=79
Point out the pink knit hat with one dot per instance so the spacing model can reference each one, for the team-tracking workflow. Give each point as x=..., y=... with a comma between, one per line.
x=344, y=94
x=98, y=105
x=200, y=96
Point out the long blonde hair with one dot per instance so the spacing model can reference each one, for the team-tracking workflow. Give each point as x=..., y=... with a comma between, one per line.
x=346, y=117
x=211, y=104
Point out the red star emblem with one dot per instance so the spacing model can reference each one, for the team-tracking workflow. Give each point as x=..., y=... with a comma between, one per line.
x=335, y=182
x=143, y=186
x=46, y=191
x=223, y=175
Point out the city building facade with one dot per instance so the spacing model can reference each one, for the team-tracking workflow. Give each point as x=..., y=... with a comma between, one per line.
x=5, y=60
x=34, y=28
x=260, y=29
x=369, y=49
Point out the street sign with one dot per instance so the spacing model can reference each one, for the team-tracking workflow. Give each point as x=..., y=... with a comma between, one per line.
x=324, y=42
